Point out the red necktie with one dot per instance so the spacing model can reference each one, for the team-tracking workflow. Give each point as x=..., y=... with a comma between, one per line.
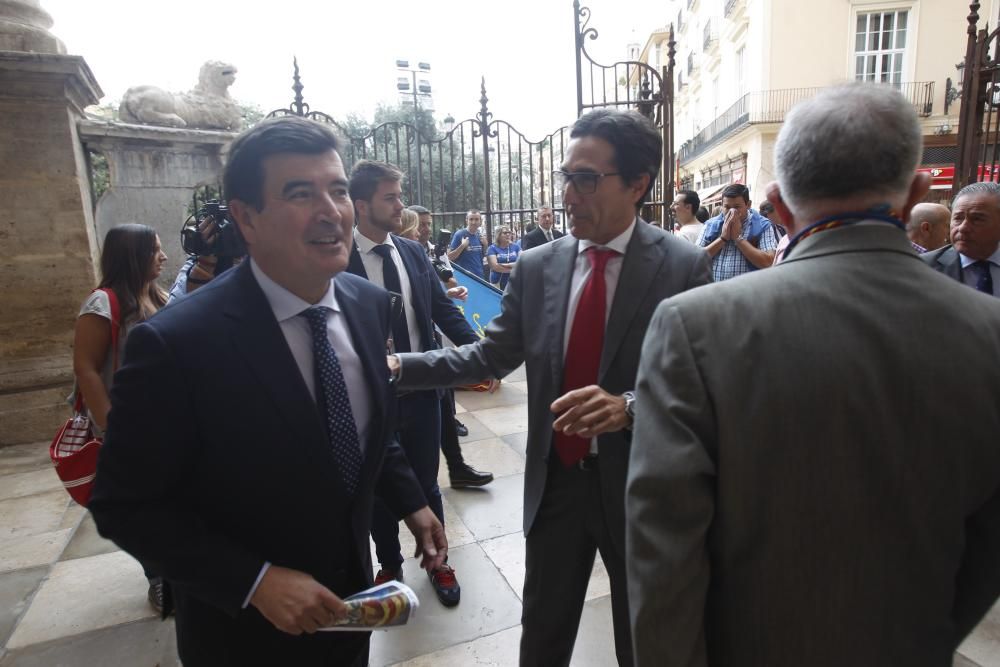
x=583, y=354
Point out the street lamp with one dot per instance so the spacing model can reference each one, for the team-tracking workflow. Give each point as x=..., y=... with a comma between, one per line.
x=418, y=90
x=448, y=123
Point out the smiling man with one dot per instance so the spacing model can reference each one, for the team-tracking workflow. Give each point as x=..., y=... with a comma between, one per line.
x=251, y=423
x=575, y=313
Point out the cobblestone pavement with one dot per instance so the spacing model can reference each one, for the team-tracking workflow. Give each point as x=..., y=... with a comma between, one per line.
x=72, y=599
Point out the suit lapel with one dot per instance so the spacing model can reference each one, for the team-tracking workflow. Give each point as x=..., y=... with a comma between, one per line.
x=558, y=279
x=258, y=338
x=952, y=263
x=354, y=264
x=639, y=268
x=413, y=272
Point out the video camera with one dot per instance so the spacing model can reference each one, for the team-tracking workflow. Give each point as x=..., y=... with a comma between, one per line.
x=225, y=243
x=442, y=243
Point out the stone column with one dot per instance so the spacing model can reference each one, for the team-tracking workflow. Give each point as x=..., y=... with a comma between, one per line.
x=47, y=234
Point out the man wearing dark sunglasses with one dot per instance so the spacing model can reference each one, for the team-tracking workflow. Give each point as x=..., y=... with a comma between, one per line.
x=575, y=312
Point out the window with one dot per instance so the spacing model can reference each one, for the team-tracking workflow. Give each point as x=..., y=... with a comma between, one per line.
x=741, y=70
x=879, y=46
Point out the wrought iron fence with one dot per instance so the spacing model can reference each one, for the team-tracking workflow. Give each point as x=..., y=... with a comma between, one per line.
x=771, y=106
x=979, y=118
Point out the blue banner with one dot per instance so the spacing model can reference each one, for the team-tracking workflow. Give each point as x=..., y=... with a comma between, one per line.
x=483, y=303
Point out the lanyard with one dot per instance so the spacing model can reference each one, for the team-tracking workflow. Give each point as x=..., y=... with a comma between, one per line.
x=880, y=214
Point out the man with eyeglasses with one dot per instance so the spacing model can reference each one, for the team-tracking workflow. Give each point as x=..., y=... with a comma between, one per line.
x=575, y=313
x=973, y=257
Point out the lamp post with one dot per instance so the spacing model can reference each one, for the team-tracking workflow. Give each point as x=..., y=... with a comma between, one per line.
x=424, y=88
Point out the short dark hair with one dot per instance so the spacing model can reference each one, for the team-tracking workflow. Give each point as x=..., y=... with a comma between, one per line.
x=737, y=190
x=766, y=208
x=419, y=210
x=367, y=174
x=243, y=178
x=702, y=214
x=692, y=199
x=637, y=144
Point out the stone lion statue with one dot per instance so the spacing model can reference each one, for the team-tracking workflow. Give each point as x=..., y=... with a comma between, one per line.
x=207, y=106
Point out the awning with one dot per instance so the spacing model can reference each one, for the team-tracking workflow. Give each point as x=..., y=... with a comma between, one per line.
x=711, y=194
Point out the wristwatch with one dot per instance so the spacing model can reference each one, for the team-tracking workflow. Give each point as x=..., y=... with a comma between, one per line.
x=630, y=406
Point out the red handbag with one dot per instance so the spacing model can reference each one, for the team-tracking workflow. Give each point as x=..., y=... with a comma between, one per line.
x=74, y=450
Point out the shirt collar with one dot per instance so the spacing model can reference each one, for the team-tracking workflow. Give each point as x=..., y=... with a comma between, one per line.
x=994, y=258
x=284, y=304
x=366, y=245
x=618, y=243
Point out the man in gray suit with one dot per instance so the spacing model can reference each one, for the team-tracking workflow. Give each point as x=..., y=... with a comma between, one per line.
x=974, y=256
x=815, y=502
x=580, y=340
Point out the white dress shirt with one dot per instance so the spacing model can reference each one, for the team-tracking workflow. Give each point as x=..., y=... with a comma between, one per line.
x=581, y=272
x=286, y=308
x=971, y=276
x=372, y=262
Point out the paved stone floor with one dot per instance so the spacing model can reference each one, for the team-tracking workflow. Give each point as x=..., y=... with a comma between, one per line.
x=68, y=598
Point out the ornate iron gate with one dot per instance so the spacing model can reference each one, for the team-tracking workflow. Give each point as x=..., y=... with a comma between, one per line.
x=979, y=118
x=488, y=165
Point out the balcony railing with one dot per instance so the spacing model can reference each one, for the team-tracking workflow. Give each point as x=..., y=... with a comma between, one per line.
x=710, y=37
x=771, y=106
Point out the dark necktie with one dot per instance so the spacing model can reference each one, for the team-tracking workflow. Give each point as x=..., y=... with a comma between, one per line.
x=548, y=236
x=333, y=401
x=583, y=354
x=390, y=280
x=985, y=281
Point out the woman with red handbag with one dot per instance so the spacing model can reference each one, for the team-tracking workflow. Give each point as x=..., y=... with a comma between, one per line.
x=131, y=261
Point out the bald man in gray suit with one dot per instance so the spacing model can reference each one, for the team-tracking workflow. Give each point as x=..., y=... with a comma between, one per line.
x=799, y=493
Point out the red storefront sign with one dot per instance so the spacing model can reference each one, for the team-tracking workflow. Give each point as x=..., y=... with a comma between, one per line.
x=942, y=177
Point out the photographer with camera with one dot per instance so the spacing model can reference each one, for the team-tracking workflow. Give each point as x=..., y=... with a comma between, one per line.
x=213, y=245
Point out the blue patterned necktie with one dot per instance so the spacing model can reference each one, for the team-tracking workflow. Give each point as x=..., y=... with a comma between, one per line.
x=333, y=401
x=985, y=282
x=391, y=281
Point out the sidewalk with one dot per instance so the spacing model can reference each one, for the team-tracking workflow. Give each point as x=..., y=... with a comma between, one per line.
x=70, y=598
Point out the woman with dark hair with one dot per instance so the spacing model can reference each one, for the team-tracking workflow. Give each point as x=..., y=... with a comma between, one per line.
x=131, y=261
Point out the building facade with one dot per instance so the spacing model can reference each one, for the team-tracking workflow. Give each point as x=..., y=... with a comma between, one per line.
x=742, y=64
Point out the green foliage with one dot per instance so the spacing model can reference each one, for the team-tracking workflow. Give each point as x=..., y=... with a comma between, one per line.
x=251, y=112
x=100, y=175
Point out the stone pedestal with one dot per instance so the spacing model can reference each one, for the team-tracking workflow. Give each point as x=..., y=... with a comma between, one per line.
x=47, y=235
x=153, y=175
x=24, y=26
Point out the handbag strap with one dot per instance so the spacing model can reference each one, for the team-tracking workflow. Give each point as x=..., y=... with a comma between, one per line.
x=115, y=333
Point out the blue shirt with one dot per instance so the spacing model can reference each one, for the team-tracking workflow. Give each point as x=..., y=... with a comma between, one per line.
x=730, y=262
x=506, y=255
x=471, y=258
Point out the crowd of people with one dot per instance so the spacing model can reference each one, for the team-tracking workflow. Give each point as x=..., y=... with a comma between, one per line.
x=762, y=458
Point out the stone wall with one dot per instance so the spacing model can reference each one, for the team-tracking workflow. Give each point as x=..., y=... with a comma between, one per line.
x=153, y=174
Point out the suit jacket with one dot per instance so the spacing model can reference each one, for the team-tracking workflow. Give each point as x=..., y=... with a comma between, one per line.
x=536, y=237
x=216, y=460
x=529, y=330
x=430, y=303
x=802, y=488
x=946, y=260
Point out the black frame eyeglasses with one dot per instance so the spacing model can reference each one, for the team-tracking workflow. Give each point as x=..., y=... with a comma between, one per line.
x=585, y=182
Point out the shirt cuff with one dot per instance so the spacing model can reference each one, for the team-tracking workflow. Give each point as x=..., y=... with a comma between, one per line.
x=253, y=589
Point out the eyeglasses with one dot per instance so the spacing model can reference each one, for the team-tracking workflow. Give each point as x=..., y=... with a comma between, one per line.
x=585, y=182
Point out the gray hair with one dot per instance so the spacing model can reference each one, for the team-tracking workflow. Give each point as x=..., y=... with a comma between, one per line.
x=984, y=188
x=851, y=139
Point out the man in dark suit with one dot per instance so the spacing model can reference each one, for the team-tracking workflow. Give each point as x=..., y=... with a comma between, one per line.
x=574, y=313
x=974, y=256
x=799, y=493
x=250, y=424
x=401, y=266
x=544, y=232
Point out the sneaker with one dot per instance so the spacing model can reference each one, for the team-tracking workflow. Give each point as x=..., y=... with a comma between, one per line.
x=386, y=574
x=446, y=585
x=464, y=476
x=155, y=594
x=461, y=429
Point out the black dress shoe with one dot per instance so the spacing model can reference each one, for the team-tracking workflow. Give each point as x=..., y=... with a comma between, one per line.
x=461, y=429
x=464, y=476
